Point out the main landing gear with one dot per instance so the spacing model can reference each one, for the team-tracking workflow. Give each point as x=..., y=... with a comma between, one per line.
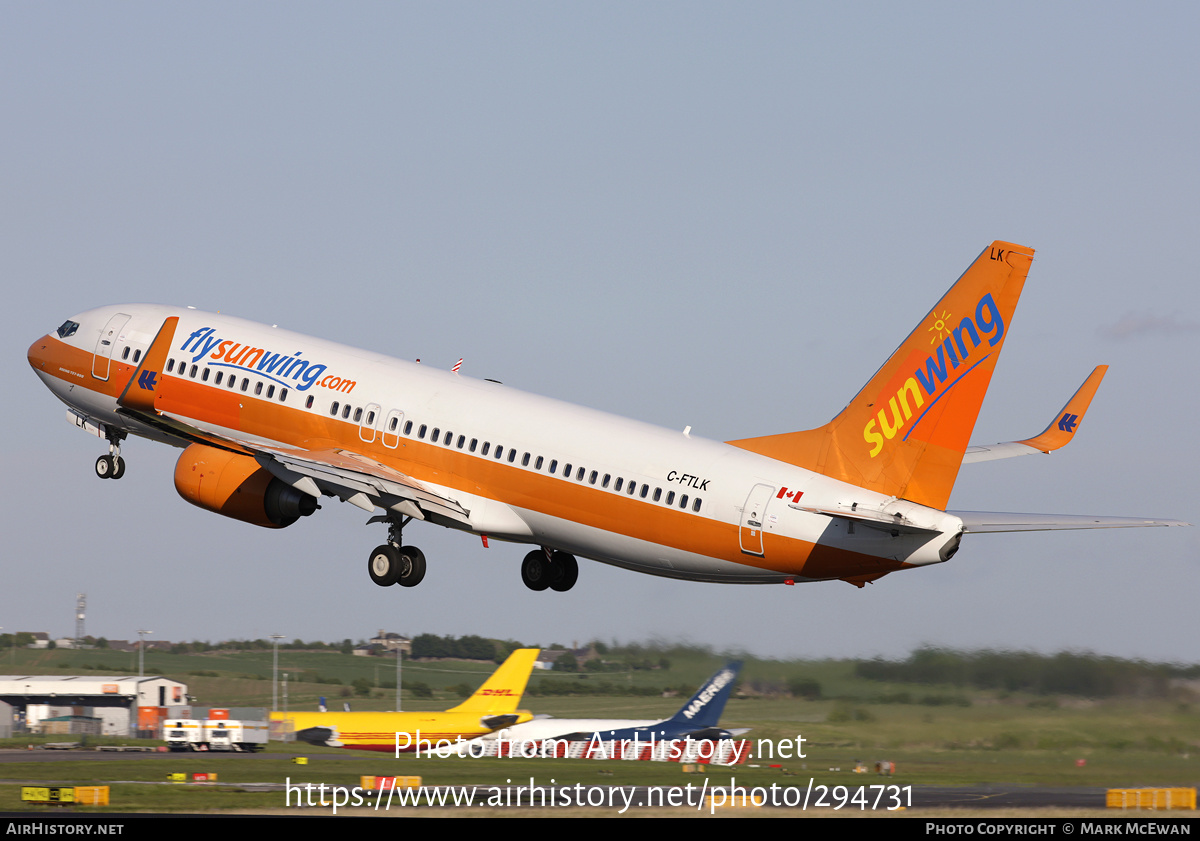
x=111, y=466
x=557, y=570
x=392, y=563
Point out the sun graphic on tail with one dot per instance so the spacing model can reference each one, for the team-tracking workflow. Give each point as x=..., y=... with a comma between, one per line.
x=939, y=328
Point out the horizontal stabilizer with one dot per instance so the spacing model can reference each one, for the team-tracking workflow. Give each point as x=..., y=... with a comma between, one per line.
x=894, y=524
x=983, y=522
x=1058, y=434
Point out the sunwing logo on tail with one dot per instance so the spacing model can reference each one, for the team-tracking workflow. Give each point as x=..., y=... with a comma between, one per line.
x=940, y=371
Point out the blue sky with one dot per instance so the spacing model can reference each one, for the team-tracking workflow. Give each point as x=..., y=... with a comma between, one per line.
x=715, y=215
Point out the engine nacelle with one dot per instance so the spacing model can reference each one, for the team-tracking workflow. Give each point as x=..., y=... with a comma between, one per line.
x=236, y=486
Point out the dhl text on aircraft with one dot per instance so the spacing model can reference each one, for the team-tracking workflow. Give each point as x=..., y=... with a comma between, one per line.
x=271, y=421
x=493, y=706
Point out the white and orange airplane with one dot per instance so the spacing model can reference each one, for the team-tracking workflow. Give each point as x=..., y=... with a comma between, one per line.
x=270, y=421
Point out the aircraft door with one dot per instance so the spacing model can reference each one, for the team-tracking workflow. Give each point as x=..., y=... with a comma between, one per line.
x=391, y=428
x=106, y=343
x=369, y=422
x=753, y=516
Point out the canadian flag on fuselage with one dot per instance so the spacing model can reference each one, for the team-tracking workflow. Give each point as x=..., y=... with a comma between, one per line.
x=905, y=432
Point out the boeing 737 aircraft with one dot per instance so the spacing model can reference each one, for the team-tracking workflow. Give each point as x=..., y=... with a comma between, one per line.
x=270, y=421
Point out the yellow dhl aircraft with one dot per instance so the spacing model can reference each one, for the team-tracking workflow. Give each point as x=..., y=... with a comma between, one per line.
x=271, y=421
x=492, y=707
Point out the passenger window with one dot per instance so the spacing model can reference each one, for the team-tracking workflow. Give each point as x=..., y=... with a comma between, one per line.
x=696, y=505
x=632, y=488
x=334, y=408
x=125, y=353
x=408, y=427
x=604, y=484
x=137, y=355
x=474, y=444
x=358, y=415
x=392, y=426
x=487, y=445
x=245, y=383
x=645, y=490
x=282, y=395
x=567, y=471
x=371, y=418
x=617, y=484
x=421, y=432
x=270, y=391
x=579, y=475
x=308, y=403
x=192, y=374
x=525, y=460
x=204, y=376
x=170, y=365
x=436, y=434
x=593, y=477
x=512, y=456
x=499, y=451
x=217, y=378
x=670, y=497
x=346, y=411
x=553, y=465
x=258, y=388
x=657, y=494
x=462, y=439
x=683, y=502
x=537, y=464
x=232, y=381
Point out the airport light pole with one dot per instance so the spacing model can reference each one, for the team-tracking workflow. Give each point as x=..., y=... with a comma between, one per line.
x=399, y=657
x=275, y=638
x=142, y=653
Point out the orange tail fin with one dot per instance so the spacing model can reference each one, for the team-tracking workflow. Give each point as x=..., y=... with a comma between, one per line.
x=905, y=433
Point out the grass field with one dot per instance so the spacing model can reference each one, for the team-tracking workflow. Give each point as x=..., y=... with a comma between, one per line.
x=943, y=735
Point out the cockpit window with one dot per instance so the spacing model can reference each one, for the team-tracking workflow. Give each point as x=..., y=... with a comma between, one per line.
x=68, y=329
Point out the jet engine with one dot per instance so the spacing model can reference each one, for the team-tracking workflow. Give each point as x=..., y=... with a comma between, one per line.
x=236, y=486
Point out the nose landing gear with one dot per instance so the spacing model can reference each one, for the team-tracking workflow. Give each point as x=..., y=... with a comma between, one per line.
x=111, y=466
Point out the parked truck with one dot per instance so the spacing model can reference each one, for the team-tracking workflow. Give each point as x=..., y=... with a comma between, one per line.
x=183, y=733
x=248, y=736
x=215, y=734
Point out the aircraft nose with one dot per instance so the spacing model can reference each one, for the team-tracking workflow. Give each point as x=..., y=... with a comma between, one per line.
x=37, y=353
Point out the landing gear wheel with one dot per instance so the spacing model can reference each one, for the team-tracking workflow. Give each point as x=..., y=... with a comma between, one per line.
x=535, y=570
x=564, y=572
x=384, y=565
x=118, y=467
x=106, y=467
x=412, y=566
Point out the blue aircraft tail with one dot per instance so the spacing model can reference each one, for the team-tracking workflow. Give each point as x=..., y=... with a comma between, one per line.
x=705, y=707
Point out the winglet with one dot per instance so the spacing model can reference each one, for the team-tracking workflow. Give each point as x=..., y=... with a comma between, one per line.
x=139, y=391
x=1062, y=429
x=503, y=690
x=1058, y=434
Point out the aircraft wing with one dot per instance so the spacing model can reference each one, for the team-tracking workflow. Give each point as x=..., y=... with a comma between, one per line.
x=984, y=522
x=1058, y=434
x=356, y=479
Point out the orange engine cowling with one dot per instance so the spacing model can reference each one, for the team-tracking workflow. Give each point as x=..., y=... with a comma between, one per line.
x=236, y=486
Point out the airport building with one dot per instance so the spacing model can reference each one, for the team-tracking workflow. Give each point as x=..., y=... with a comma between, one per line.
x=82, y=705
